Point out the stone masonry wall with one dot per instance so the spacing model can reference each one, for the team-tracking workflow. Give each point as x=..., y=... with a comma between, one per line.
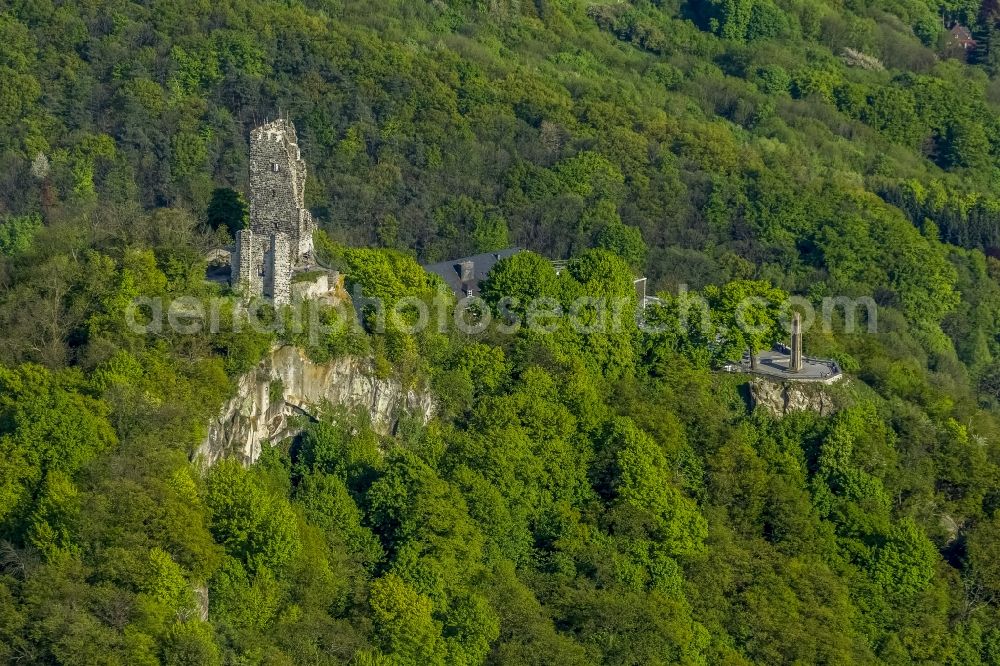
x=245, y=263
x=281, y=270
x=306, y=228
x=279, y=237
x=277, y=186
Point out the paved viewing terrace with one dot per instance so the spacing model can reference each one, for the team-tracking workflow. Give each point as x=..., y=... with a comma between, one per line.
x=775, y=363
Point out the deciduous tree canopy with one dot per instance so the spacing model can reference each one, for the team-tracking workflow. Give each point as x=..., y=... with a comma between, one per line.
x=592, y=493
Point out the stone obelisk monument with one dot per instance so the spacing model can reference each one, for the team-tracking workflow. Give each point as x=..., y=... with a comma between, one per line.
x=795, y=360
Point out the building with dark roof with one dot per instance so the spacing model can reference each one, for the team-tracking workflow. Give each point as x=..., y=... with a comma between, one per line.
x=464, y=275
x=962, y=36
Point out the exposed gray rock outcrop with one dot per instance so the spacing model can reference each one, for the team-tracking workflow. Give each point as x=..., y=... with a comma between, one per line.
x=950, y=527
x=781, y=398
x=201, y=601
x=271, y=399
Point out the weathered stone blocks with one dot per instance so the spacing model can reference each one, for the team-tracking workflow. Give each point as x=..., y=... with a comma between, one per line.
x=279, y=238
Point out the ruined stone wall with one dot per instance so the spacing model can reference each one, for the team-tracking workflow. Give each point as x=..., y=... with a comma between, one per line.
x=279, y=237
x=280, y=268
x=277, y=186
x=306, y=228
x=274, y=186
x=246, y=263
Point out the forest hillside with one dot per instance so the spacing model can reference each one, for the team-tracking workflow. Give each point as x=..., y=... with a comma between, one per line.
x=595, y=496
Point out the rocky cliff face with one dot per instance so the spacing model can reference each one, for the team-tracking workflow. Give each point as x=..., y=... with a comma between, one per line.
x=781, y=398
x=287, y=385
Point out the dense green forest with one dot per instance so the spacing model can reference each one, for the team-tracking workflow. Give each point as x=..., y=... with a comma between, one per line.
x=597, y=497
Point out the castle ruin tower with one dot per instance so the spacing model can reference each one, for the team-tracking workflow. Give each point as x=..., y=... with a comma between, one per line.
x=277, y=188
x=795, y=359
x=279, y=239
